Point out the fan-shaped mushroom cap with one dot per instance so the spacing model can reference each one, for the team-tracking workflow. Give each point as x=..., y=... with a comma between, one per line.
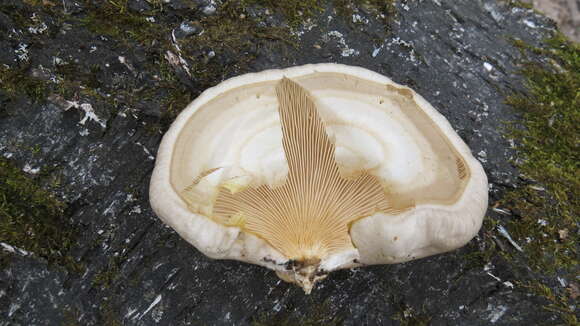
x=316, y=168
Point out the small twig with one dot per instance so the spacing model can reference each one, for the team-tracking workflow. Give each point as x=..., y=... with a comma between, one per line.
x=506, y=235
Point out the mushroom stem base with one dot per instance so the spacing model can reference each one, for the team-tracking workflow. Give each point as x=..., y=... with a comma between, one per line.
x=304, y=274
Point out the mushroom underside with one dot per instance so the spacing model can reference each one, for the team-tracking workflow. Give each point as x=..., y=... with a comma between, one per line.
x=297, y=162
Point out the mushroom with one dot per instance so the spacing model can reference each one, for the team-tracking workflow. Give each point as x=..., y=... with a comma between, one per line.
x=316, y=168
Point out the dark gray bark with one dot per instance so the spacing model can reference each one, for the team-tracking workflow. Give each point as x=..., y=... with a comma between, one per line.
x=457, y=54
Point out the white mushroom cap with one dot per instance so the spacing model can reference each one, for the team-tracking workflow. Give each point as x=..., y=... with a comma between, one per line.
x=237, y=182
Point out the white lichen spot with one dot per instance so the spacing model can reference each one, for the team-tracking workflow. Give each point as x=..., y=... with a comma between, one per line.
x=89, y=113
x=487, y=66
x=346, y=51
x=39, y=27
x=124, y=62
x=496, y=313
x=493, y=12
x=542, y=222
x=135, y=210
x=408, y=45
x=307, y=26
x=28, y=169
x=356, y=18
x=22, y=52
x=210, y=9
x=508, y=284
x=530, y=23
x=58, y=61
x=482, y=156
x=376, y=51
x=157, y=314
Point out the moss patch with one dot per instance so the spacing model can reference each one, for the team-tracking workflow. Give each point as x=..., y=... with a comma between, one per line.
x=232, y=40
x=384, y=9
x=33, y=220
x=114, y=19
x=559, y=302
x=295, y=12
x=107, y=276
x=519, y=4
x=17, y=82
x=409, y=317
x=547, y=203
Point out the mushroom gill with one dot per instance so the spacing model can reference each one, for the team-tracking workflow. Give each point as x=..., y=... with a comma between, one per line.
x=306, y=218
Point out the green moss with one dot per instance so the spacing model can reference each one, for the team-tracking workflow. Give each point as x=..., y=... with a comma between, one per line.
x=106, y=277
x=519, y=4
x=20, y=14
x=175, y=96
x=385, y=9
x=33, y=220
x=113, y=18
x=71, y=315
x=226, y=47
x=558, y=303
x=409, y=317
x=482, y=253
x=17, y=82
x=110, y=316
x=226, y=35
x=547, y=139
x=232, y=38
x=295, y=12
